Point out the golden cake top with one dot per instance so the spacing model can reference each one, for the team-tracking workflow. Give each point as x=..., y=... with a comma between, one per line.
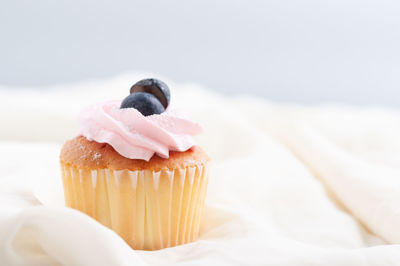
x=82, y=153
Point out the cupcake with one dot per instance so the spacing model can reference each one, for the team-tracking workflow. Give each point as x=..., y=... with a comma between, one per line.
x=135, y=168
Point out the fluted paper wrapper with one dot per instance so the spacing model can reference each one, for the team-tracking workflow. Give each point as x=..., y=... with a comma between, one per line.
x=150, y=210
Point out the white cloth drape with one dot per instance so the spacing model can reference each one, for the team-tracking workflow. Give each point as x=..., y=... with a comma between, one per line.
x=290, y=185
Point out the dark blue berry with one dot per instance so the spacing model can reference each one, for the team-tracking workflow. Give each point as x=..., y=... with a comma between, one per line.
x=155, y=87
x=144, y=102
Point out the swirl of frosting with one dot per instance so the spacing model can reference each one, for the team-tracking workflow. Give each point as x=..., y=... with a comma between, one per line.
x=135, y=136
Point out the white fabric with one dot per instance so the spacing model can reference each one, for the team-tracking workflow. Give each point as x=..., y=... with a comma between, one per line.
x=290, y=185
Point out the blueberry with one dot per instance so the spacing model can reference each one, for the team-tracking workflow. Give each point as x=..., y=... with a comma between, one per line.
x=144, y=102
x=155, y=87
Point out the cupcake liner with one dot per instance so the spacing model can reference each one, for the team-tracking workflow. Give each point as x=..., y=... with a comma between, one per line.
x=149, y=209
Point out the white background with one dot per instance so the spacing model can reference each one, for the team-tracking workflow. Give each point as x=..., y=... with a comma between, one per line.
x=304, y=51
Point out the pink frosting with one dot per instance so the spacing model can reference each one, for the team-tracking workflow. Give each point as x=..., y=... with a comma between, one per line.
x=136, y=136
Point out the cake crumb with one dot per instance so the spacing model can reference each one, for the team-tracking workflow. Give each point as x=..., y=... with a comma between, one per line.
x=96, y=156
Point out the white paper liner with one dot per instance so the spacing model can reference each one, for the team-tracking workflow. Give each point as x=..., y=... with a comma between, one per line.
x=150, y=210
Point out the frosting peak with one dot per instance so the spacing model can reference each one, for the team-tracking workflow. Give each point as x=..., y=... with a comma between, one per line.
x=135, y=136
